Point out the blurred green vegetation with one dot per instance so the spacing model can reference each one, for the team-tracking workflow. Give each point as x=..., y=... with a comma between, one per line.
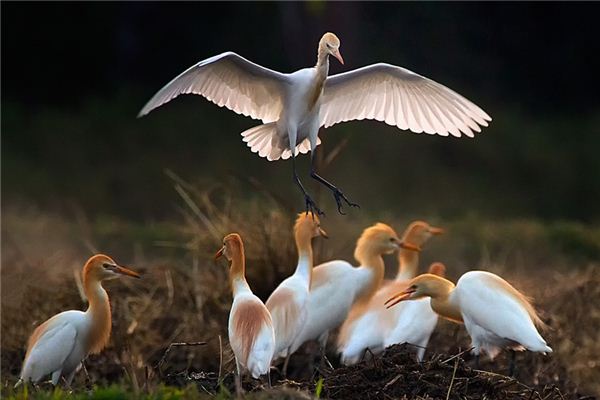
x=100, y=157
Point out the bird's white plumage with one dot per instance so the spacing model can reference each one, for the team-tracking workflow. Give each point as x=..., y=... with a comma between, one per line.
x=336, y=285
x=288, y=307
x=415, y=321
x=257, y=359
x=401, y=98
x=494, y=318
x=59, y=350
x=299, y=103
x=231, y=81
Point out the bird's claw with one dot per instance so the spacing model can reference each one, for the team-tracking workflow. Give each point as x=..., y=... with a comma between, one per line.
x=339, y=196
x=311, y=206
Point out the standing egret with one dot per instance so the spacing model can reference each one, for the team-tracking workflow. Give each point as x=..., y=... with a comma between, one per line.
x=58, y=346
x=370, y=326
x=293, y=106
x=288, y=302
x=496, y=315
x=337, y=285
x=250, y=326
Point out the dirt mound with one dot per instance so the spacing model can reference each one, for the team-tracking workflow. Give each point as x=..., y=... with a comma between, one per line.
x=393, y=375
x=396, y=374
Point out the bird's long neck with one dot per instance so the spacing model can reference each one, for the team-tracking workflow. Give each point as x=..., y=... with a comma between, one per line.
x=305, y=256
x=323, y=59
x=408, y=264
x=237, y=273
x=371, y=259
x=99, y=314
x=444, y=303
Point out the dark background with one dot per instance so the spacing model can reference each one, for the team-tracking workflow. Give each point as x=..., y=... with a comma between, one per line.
x=74, y=76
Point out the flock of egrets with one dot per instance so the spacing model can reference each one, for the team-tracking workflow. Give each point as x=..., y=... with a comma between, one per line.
x=313, y=301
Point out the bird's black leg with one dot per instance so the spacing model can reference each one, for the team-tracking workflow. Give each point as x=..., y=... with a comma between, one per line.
x=310, y=203
x=512, y=365
x=477, y=361
x=337, y=193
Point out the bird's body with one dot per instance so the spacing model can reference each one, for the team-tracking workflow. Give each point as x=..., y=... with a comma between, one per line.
x=288, y=302
x=373, y=326
x=415, y=321
x=58, y=346
x=495, y=314
x=337, y=285
x=251, y=333
x=294, y=106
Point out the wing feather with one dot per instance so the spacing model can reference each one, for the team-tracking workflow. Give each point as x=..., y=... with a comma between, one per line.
x=52, y=342
x=231, y=81
x=399, y=97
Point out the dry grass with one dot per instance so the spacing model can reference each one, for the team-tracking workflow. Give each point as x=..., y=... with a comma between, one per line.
x=184, y=296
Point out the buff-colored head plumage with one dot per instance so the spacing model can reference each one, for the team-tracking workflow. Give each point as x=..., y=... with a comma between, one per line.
x=377, y=239
x=419, y=232
x=101, y=267
x=308, y=226
x=330, y=45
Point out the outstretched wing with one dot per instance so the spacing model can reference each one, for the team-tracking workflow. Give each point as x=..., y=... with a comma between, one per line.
x=401, y=98
x=232, y=81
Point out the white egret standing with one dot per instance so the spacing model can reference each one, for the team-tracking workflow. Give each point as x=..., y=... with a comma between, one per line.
x=496, y=315
x=250, y=326
x=293, y=106
x=288, y=302
x=58, y=346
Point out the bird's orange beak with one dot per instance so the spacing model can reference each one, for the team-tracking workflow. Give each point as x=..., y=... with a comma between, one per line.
x=336, y=54
x=436, y=231
x=408, y=246
x=219, y=253
x=126, y=271
x=398, y=297
x=323, y=233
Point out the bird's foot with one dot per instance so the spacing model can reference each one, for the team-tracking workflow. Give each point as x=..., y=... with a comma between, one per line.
x=311, y=206
x=339, y=196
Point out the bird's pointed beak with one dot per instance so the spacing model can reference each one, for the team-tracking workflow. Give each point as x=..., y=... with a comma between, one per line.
x=408, y=246
x=338, y=55
x=323, y=233
x=127, y=271
x=219, y=253
x=398, y=297
x=436, y=231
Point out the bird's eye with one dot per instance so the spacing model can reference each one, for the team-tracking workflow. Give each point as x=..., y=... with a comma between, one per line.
x=328, y=45
x=392, y=239
x=108, y=266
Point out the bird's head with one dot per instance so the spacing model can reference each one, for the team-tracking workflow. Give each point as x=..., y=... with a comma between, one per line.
x=437, y=268
x=379, y=239
x=232, y=246
x=426, y=285
x=309, y=226
x=419, y=232
x=101, y=267
x=331, y=45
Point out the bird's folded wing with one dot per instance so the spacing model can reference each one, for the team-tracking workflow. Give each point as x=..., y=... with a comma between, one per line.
x=232, y=81
x=51, y=349
x=401, y=98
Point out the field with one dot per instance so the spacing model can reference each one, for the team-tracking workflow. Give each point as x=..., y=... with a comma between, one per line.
x=184, y=297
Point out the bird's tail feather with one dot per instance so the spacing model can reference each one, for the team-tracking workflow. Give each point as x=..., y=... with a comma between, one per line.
x=264, y=140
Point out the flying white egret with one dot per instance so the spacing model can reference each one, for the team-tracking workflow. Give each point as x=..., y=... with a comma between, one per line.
x=58, y=346
x=293, y=106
